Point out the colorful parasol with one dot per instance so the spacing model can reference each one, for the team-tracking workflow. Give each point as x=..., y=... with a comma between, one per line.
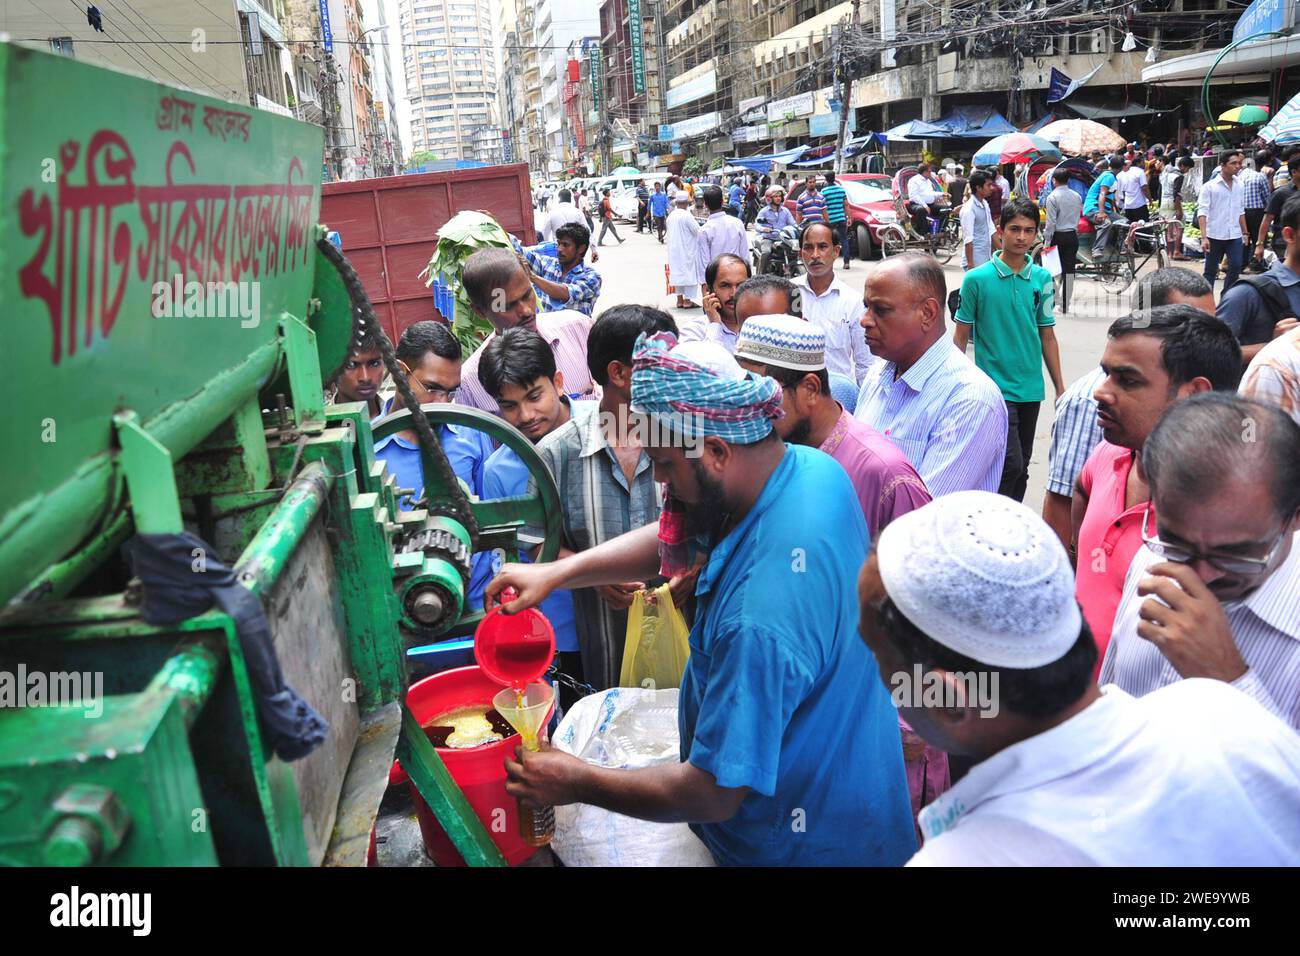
x=1079, y=137
x=1015, y=148
x=1245, y=115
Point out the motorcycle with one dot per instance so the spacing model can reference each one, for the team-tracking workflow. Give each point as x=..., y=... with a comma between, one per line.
x=783, y=259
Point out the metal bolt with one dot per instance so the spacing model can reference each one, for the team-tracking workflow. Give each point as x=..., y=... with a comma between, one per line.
x=134, y=593
x=426, y=608
x=75, y=841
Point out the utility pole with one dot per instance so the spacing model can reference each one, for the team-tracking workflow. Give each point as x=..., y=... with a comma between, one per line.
x=846, y=86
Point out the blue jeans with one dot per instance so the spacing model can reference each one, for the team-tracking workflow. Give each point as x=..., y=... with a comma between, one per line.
x=1233, y=249
x=841, y=230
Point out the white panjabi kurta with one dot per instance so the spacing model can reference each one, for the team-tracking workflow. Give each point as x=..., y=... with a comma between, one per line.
x=683, y=253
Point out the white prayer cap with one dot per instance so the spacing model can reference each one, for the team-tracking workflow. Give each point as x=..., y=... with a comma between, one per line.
x=681, y=198
x=983, y=575
x=782, y=340
x=712, y=356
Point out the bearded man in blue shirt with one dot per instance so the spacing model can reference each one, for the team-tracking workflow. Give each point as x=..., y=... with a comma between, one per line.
x=790, y=753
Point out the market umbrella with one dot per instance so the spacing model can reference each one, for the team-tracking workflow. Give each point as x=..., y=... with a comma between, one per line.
x=1245, y=115
x=1014, y=148
x=1284, y=128
x=1079, y=137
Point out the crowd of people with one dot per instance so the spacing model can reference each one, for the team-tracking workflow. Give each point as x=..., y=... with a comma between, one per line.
x=893, y=659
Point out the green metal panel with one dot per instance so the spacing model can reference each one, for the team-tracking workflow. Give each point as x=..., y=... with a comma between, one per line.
x=429, y=774
x=111, y=187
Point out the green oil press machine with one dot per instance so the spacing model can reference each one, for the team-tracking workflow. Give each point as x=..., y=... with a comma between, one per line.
x=170, y=311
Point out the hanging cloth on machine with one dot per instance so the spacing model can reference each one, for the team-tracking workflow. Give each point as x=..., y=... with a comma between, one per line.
x=179, y=585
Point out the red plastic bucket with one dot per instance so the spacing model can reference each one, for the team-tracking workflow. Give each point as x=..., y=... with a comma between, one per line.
x=479, y=771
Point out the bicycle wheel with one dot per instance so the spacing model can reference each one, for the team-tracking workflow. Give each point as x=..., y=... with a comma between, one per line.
x=948, y=242
x=1115, y=275
x=893, y=241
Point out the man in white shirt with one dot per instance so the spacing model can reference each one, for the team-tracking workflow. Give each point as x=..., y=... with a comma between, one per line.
x=1213, y=593
x=968, y=606
x=1221, y=215
x=977, y=225
x=831, y=304
x=925, y=198
x=1132, y=188
x=563, y=212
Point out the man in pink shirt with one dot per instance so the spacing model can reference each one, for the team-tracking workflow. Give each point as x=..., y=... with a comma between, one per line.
x=1153, y=358
x=793, y=351
x=502, y=292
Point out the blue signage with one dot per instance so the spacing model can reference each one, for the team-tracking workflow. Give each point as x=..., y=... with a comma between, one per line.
x=1265, y=16
x=665, y=131
x=325, y=26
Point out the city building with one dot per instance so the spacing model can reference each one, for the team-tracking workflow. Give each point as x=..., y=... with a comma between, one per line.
x=202, y=64
x=582, y=120
x=558, y=24
x=451, y=76
x=385, y=137
x=630, y=88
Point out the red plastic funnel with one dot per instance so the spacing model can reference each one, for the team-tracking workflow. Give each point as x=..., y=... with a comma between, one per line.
x=514, y=649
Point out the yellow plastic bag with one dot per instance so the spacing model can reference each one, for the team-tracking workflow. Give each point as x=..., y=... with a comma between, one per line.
x=657, y=647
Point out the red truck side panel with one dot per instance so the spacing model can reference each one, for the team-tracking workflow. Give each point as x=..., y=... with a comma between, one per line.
x=390, y=228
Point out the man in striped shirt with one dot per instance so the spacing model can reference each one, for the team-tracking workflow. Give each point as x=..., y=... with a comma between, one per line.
x=500, y=290
x=1213, y=592
x=607, y=487
x=811, y=205
x=837, y=213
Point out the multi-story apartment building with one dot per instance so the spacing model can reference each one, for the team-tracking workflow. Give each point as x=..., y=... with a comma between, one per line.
x=757, y=76
x=450, y=72
x=630, y=32
x=215, y=68
x=582, y=120
x=1008, y=67
x=385, y=138
x=558, y=23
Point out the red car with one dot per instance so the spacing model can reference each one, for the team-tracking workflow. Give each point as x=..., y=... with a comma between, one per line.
x=871, y=205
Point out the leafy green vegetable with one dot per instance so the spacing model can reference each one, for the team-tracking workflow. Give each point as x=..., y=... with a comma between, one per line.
x=458, y=239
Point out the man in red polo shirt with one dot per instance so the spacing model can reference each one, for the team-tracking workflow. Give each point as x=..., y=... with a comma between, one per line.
x=1153, y=358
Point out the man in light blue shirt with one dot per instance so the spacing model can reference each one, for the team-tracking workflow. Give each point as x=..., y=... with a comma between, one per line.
x=720, y=234
x=946, y=415
x=430, y=357
x=772, y=218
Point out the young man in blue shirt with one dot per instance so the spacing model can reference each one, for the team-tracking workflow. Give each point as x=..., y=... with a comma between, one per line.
x=430, y=357
x=1100, y=205
x=789, y=744
x=659, y=210
x=518, y=370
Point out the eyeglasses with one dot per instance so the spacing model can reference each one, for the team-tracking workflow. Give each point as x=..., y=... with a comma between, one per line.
x=438, y=393
x=1227, y=563
x=435, y=390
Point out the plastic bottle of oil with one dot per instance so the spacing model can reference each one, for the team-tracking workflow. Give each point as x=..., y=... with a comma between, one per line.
x=536, y=825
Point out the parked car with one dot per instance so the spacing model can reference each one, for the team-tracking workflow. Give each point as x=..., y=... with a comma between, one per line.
x=871, y=206
x=622, y=191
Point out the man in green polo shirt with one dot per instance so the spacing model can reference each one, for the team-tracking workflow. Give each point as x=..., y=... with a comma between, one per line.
x=837, y=209
x=1006, y=307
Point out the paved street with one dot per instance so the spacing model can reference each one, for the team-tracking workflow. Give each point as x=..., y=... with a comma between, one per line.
x=634, y=272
